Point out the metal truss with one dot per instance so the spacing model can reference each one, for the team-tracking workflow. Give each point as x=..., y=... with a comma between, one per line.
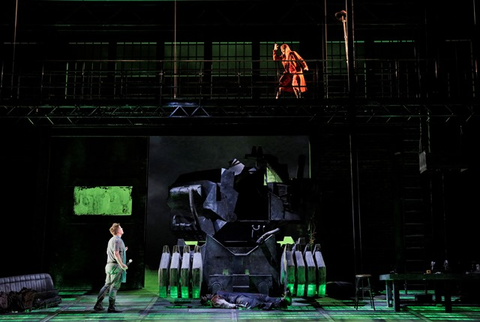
x=232, y=112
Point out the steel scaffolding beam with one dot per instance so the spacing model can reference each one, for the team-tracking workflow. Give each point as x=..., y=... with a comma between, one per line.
x=233, y=111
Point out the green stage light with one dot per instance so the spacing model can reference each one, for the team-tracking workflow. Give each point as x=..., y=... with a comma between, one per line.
x=322, y=290
x=291, y=286
x=174, y=292
x=311, y=290
x=162, y=291
x=300, y=290
x=185, y=292
x=195, y=292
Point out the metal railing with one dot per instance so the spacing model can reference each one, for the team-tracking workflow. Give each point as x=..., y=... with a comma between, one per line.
x=74, y=82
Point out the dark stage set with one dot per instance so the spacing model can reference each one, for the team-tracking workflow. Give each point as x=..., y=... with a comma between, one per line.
x=164, y=116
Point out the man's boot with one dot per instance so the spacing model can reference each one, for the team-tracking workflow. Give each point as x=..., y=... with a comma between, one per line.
x=98, y=306
x=112, y=308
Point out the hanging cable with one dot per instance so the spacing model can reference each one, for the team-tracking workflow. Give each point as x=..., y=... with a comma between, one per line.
x=175, y=50
x=342, y=17
x=14, y=44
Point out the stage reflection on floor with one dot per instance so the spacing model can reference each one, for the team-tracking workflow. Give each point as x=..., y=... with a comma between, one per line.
x=145, y=305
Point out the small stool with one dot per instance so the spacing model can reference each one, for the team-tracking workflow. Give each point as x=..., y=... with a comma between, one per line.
x=362, y=286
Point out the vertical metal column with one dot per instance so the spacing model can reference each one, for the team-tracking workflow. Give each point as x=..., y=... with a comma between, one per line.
x=356, y=217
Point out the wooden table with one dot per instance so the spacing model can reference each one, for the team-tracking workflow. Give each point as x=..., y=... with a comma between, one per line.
x=393, y=283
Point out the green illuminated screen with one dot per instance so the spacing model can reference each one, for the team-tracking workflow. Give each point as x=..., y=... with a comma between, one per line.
x=103, y=201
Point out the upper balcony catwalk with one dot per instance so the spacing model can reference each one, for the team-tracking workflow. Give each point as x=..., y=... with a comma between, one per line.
x=161, y=87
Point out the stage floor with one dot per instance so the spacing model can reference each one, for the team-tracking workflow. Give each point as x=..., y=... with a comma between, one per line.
x=145, y=305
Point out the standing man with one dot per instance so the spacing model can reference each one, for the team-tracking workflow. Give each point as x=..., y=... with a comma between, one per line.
x=115, y=269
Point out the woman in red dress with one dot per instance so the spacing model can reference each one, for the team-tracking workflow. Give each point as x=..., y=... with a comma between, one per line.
x=292, y=79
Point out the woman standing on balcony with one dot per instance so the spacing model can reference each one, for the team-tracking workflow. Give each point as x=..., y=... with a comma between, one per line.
x=292, y=79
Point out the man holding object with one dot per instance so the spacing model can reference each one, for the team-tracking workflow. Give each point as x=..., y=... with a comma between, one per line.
x=115, y=269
